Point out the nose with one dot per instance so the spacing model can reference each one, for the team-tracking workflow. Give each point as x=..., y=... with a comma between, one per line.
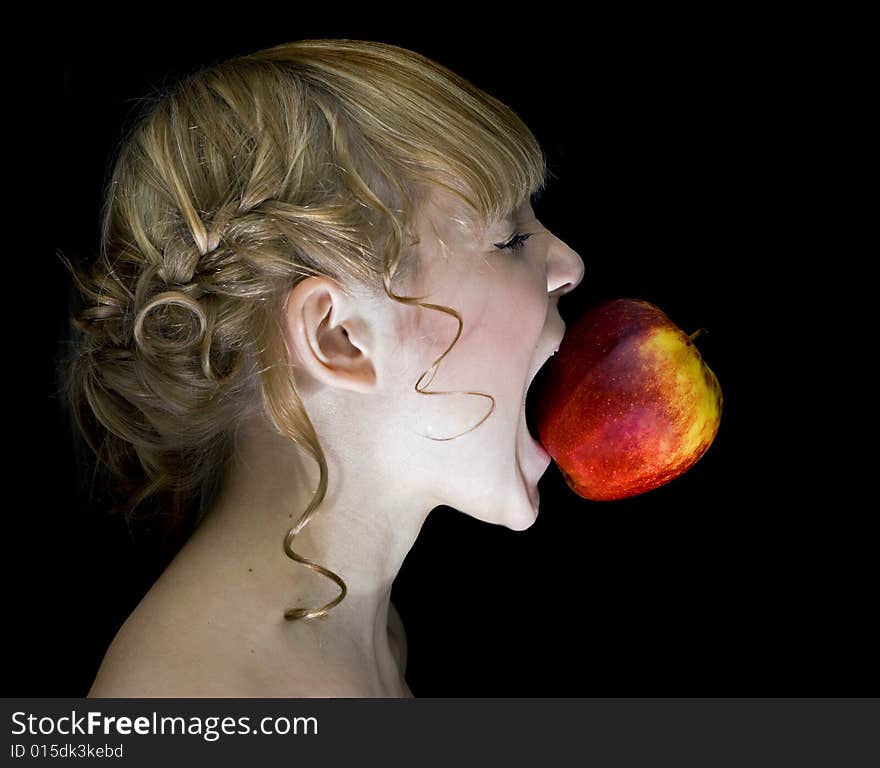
x=565, y=270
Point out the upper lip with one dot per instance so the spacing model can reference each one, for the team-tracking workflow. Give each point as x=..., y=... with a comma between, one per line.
x=561, y=337
x=553, y=349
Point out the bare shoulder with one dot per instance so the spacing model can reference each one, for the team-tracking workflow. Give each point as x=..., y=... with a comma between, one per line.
x=164, y=650
x=164, y=684
x=137, y=670
x=167, y=683
x=160, y=653
x=145, y=669
x=150, y=658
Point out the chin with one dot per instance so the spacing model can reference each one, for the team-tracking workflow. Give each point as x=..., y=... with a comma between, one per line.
x=522, y=510
x=523, y=501
x=510, y=501
x=526, y=516
x=523, y=524
x=517, y=512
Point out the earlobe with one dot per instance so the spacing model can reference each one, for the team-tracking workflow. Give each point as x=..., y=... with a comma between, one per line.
x=326, y=338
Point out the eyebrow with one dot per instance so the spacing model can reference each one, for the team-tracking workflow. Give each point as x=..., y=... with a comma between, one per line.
x=506, y=222
x=508, y=218
x=501, y=229
x=502, y=223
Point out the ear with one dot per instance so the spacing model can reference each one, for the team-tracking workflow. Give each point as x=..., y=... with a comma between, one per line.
x=328, y=336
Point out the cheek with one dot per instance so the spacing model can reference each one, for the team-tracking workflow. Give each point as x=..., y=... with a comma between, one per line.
x=519, y=314
x=503, y=312
x=507, y=339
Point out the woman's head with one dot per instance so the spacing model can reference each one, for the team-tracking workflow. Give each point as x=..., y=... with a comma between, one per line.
x=245, y=192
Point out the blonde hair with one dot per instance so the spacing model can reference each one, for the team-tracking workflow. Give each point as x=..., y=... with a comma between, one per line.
x=244, y=178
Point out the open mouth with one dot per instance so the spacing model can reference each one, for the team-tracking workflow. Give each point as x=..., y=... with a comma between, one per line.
x=533, y=396
x=531, y=406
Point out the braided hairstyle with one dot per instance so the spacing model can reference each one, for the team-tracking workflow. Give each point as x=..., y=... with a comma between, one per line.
x=244, y=178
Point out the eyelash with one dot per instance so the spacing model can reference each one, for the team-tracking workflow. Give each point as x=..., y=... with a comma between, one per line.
x=515, y=243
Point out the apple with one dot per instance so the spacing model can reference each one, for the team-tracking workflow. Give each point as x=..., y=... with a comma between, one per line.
x=627, y=404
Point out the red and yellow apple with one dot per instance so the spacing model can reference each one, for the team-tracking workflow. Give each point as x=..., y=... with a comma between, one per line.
x=627, y=404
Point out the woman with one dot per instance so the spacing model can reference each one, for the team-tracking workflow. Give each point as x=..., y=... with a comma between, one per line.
x=244, y=356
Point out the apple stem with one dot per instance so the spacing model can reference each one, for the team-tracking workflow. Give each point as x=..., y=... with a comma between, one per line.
x=696, y=334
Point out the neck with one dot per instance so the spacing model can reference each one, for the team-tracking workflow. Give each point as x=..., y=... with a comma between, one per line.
x=361, y=531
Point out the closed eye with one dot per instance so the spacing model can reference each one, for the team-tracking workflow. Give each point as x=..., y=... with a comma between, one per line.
x=515, y=243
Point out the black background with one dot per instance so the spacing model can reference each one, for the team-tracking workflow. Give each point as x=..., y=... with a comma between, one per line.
x=672, y=149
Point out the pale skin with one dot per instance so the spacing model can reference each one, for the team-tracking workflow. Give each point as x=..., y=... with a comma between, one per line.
x=212, y=624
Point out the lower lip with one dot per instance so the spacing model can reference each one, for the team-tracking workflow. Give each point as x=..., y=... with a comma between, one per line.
x=536, y=462
x=539, y=449
x=536, y=449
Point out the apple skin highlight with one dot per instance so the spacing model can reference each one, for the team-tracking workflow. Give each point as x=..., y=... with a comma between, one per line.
x=627, y=405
